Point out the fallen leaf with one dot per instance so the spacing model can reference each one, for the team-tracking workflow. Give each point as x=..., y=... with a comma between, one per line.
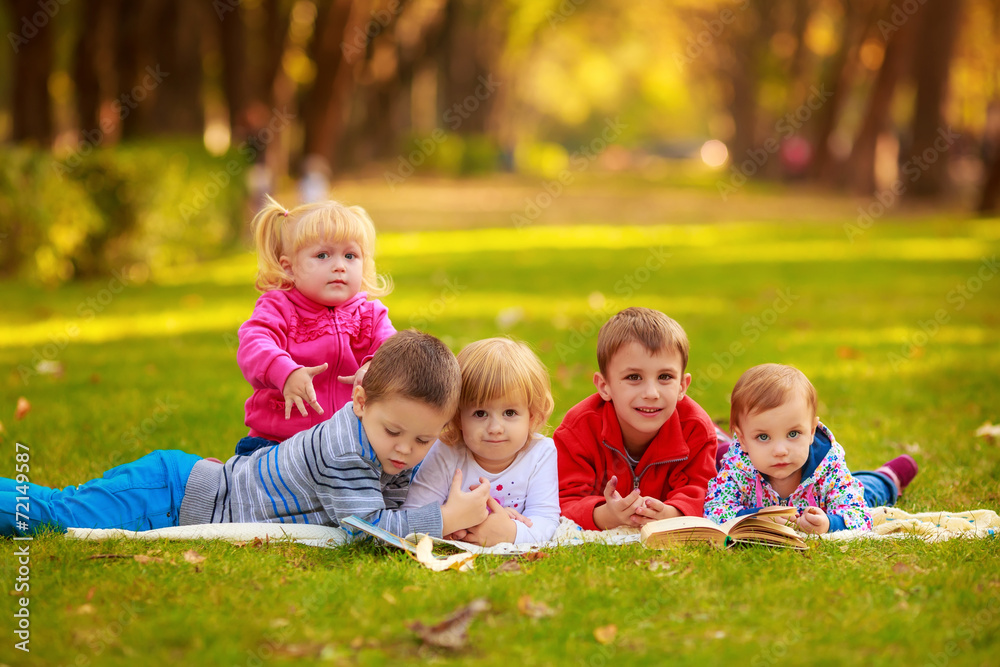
x=90, y=593
x=23, y=408
x=533, y=609
x=357, y=643
x=451, y=633
x=845, y=352
x=50, y=367
x=507, y=566
x=279, y=622
x=193, y=557
x=989, y=430
x=85, y=609
x=95, y=378
x=312, y=650
x=606, y=633
x=655, y=565
x=388, y=597
x=535, y=555
x=139, y=558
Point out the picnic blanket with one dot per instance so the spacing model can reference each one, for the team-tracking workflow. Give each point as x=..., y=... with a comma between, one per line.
x=889, y=523
x=894, y=523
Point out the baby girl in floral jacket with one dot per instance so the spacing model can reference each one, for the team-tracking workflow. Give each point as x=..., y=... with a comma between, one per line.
x=783, y=455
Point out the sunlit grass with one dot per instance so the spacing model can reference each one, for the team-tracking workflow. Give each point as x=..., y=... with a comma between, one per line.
x=153, y=367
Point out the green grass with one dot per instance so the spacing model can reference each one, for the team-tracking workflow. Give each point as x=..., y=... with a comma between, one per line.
x=152, y=365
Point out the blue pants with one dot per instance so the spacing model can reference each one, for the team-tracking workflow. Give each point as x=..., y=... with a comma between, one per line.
x=879, y=488
x=250, y=444
x=141, y=495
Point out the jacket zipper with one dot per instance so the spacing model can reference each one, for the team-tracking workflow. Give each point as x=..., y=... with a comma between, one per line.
x=637, y=479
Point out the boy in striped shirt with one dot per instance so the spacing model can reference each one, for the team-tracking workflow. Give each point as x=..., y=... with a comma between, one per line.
x=357, y=463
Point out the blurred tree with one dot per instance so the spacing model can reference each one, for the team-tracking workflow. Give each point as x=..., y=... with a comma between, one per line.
x=33, y=45
x=858, y=21
x=938, y=31
x=324, y=103
x=896, y=58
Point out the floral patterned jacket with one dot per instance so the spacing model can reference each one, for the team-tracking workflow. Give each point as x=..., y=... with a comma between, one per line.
x=740, y=489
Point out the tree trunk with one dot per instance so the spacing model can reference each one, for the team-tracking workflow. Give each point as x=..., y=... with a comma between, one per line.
x=133, y=42
x=938, y=32
x=32, y=40
x=85, y=69
x=324, y=106
x=739, y=60
x=232, y=46
x=895, y=64
x=858, y=17
x=989, y=196
x=177, y=107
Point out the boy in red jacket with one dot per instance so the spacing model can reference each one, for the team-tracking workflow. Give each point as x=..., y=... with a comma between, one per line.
x=639, y=427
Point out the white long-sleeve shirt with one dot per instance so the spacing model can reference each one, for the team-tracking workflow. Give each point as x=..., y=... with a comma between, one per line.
x=530, y=484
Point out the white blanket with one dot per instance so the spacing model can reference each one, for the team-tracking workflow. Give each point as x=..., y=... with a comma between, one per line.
x=889, y=523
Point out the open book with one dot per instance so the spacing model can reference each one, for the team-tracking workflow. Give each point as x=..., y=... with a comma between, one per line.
x=420, y=546
x=758, y=528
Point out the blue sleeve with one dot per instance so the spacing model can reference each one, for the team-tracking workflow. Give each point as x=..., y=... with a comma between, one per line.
x=751, y=510
x=836, y=522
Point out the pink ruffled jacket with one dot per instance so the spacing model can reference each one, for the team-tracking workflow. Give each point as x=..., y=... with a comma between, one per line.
x=288, y=331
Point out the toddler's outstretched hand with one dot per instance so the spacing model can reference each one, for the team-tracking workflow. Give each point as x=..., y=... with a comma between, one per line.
x=813, y=520
x=299, y=388
x=464, y=509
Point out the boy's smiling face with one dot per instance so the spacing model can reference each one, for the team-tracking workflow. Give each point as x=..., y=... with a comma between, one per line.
x=778, y=440
x=645, y=388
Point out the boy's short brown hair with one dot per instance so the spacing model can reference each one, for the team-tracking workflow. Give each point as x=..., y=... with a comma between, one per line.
x=765, y=387
x=650, y=328
x=501, y=367
x=414, y=365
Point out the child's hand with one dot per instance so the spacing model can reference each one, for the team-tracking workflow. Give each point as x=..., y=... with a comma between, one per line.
x=616, y=511
x=652, y=509
x=355, y=379
x=462, y=509
x=299, y=388
x=515, y=515
x=498, y=527
x=813, y=520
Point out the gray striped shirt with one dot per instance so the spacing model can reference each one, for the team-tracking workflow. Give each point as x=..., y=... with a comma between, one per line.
x=318, y=476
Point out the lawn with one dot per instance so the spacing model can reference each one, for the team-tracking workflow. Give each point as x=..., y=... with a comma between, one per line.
x=896, y=322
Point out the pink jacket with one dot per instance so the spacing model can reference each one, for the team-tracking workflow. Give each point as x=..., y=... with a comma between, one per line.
x=288, y=331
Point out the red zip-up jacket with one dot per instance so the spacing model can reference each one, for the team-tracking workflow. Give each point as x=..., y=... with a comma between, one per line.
x=675, y=468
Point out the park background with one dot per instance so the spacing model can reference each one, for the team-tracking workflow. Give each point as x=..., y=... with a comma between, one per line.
x=811, y=182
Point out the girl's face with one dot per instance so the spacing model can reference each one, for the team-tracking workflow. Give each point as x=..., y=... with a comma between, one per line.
x=327, y=272
x=496, y=431
x=778, y=441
